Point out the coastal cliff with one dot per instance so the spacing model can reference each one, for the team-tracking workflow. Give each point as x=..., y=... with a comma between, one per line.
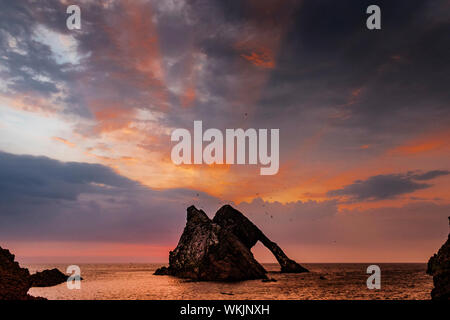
x=15, y=281
x=219, y=249
x=439, y=268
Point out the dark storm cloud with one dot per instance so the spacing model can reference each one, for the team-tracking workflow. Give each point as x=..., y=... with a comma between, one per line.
x=368, y=87
x=386, y=186
x=45, y=199
x=430, y=174
x=330, y=41
x=44, y=178
x=311, y=222
x=365, y=87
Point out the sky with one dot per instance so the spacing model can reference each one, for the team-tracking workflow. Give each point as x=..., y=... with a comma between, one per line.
x=86, y=118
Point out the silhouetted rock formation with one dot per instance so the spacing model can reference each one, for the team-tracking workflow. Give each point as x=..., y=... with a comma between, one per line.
x=208, y=252
x=48, y=278
x=439, y=268
x=235, y=222
x=163, y=271
x=14, y=280
x=219, y=249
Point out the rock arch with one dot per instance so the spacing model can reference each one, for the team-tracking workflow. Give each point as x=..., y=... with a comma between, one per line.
x=248, y=233
x=219, y=249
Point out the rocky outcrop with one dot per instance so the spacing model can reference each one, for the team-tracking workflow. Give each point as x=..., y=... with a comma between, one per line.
x=14, y=280
x=219, y=249
x=249, y=234
x=206, y=251
x=163, y=271
x=439, y=268
x=48, y=278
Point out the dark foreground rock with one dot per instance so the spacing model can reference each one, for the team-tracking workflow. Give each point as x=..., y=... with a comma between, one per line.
x=14, y=280
x=219, y=249
x=48, y=278
x=439, y=268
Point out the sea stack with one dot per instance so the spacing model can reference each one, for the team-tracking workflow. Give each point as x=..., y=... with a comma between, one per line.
x=219, y=249
x=439, y=268
x=48, y=278
x=234, y=221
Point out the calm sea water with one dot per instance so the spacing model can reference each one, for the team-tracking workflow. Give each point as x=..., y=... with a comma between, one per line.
x=326, y=281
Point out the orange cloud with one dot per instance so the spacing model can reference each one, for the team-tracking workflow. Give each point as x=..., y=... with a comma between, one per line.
x=258, y=51
x=111, y=118
x=429, y=143
x=136, y=38
x=128, y=160
x=31, y=102
x=129, y=59
x=188, y=76
x=188, y=97
x=66, y=142
x=418, y=147
x=264, y=58
x=356, y=92
x=99, y=157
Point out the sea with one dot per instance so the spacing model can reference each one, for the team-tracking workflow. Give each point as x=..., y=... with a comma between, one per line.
x=325, y=281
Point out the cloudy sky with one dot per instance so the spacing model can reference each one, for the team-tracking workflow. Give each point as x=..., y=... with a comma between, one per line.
x=86, y=117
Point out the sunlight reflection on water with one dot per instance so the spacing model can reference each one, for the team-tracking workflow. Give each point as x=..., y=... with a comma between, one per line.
x=342, y=281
